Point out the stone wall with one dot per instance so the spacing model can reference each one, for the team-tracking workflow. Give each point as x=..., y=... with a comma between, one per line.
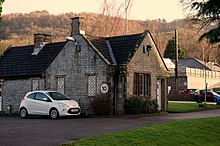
x=75, y=67
x=147, y=63
x=13, y=91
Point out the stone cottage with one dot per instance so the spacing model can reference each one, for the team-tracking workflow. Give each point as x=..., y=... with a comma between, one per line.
x=84, y=67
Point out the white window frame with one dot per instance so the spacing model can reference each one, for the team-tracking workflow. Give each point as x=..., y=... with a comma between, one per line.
x=91, y=86
x=35, y=84
x=60, y=84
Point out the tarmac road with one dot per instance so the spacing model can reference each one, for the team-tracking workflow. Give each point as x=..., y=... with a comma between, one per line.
x=43, y=131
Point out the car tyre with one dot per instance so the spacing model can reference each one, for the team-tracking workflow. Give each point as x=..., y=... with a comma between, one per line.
x=54, y=114
x=23, y=113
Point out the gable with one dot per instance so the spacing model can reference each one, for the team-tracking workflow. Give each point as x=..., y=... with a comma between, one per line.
x=18, y=61
x=149, y=61
x=118, y=49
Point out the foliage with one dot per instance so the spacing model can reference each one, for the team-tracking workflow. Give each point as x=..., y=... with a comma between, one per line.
x=1, y=2
x=138, y=105
x=101, y=105
x=208, y=13
x=216, y=89
x=170, y=50
x=177, y=133
x=133, y=105
x=17, y=29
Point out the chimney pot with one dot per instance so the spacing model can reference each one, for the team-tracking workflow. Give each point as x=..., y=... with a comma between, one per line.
x=41, y=39
x=77, y=26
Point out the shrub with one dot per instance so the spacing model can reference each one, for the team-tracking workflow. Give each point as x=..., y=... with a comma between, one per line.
x=133, y=105
x=149, y=106
x=139, y=105
x=101, y=105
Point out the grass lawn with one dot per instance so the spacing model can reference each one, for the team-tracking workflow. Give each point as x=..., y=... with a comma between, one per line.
x=174, y=107
x=199, y=132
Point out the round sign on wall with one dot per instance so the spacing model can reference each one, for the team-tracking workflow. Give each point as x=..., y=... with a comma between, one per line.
x=104, y=88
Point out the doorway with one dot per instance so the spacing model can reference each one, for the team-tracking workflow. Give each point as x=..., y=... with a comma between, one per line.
x=159, y=93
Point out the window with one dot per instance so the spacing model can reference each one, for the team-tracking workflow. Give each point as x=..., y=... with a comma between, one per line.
x=31, y=96
x=35, y=84
x=91, y=85
x=141, y=84
x=40, y=96
x=61, y=84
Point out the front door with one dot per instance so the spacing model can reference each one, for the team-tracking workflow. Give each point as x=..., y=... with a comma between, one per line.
x=159, y=93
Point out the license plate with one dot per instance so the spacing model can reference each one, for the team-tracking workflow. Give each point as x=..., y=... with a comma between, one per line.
x=74, y=110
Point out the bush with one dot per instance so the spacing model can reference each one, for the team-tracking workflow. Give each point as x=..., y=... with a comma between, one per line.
x=101, y=105
x=149, y=106
x=139, y=105
x=133, y=105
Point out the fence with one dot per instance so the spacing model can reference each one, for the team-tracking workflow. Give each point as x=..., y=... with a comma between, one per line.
x=196, y=72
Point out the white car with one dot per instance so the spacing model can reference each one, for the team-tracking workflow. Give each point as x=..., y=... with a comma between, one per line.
x=50, y=103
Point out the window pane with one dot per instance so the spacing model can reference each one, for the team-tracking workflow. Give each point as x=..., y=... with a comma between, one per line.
x=91, y=86
x=40, y=96
x=135, y=85
x=147, y=84
x=31, y=96
x=140, y=88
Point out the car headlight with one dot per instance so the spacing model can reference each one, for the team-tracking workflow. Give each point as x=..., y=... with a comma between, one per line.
x=63, y=105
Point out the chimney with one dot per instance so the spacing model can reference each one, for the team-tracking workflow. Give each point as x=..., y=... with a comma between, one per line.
x=39, y=42
x=77, y=26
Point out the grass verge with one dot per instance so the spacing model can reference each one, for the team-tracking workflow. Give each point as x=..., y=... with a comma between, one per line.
x=199, y=132
x=174, y=107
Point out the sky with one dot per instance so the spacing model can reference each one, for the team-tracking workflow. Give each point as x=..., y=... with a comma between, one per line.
x=140, y=10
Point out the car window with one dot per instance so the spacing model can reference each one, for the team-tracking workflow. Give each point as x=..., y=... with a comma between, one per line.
x=58, y=96
x=31, y=96
x=40, y=96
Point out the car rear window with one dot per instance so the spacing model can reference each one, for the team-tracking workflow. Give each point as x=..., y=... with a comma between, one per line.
x=31, y=96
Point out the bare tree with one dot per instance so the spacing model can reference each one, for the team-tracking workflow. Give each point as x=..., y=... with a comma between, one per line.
x=128, y=5
x=112, y=23
x=115, y=10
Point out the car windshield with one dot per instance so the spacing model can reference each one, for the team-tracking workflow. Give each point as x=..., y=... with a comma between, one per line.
x=58, y=96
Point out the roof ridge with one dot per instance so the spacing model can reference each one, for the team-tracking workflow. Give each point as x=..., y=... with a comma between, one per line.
x=111, y=52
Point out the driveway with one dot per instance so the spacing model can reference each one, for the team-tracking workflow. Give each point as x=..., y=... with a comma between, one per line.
x=43, y=131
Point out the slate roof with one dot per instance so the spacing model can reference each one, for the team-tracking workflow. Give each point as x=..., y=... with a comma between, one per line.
x=18, y=61
x=123, y=47
x=193, y=63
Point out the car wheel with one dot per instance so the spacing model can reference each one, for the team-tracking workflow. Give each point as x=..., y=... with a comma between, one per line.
x=54, y=114
x=23, y=113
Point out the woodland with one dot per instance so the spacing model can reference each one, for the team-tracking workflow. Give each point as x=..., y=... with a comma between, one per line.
x=18, y=29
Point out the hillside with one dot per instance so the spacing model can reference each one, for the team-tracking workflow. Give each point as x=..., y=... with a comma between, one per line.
x=18, y=29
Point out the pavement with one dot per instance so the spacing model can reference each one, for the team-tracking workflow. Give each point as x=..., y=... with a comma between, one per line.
x=43, y=131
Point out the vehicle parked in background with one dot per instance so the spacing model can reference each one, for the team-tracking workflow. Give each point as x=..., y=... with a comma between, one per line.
x=191, y=91
x=218, y=92
x=50, y=103
x=211, y=96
